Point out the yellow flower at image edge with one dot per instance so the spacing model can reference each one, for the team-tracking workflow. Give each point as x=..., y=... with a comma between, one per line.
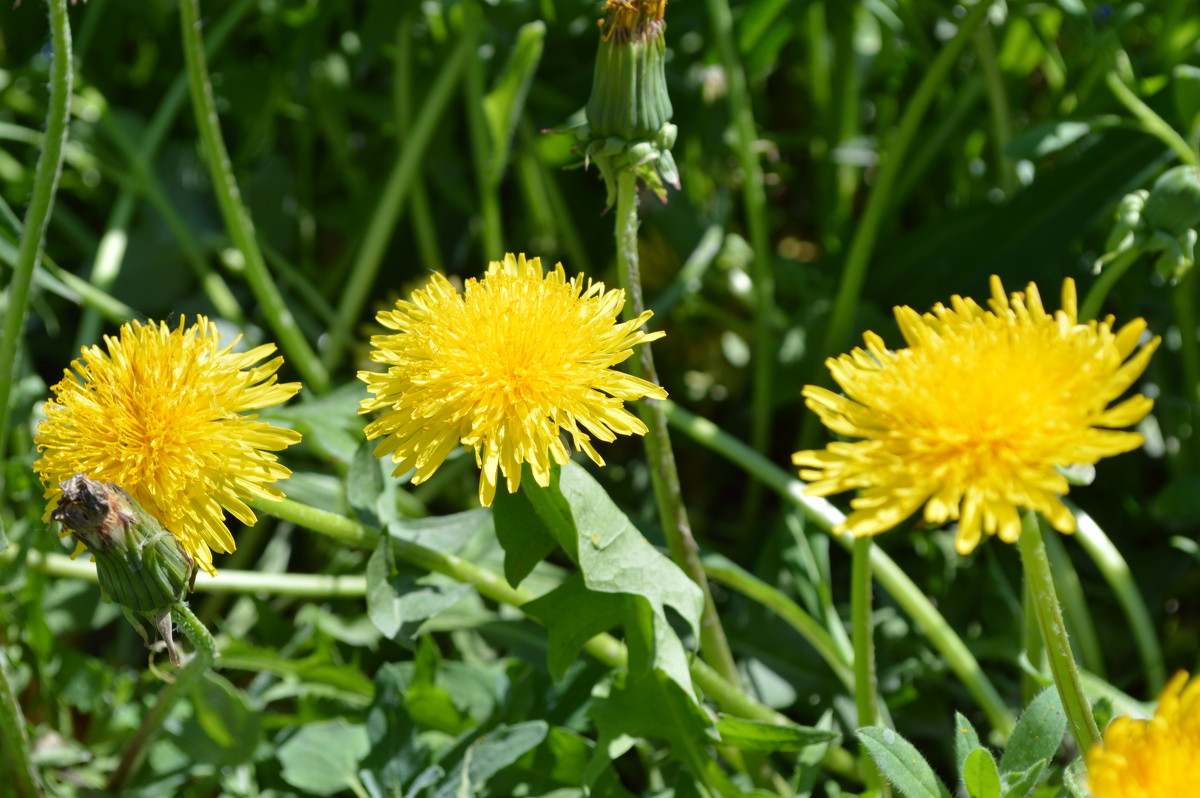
x=1151, y=758
x=158, y=413
x=974, y=417
x=504, y=368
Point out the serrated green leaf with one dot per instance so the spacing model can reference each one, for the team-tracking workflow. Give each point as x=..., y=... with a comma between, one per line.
x=901, y=763
x=503, y=104
x=573, y=615
x=522, y=534
x=980, y=775
x=395, y=756
x=767, y=738
x=445, y=533
x=966, y=740
x=653, y=706
x=488, y=755
x=322, y=758
x=1038, y=733
x=364, y=486
x=224, y=729
x=400, y=597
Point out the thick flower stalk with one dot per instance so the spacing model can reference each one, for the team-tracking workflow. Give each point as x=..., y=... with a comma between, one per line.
x=978, y=415
x=1151, y=758
x=504, y=368
x=161, y=413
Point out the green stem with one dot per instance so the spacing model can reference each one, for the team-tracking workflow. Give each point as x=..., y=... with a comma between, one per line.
x=1113, y=271
x=41, y=202
x=1035, y=652
x=226, y=581
x=985, y=47
x=205, y=653
x=1152, y=123
x=892, y=159
x=1115, y=570
x=15, y=737
x=754, y=199
x=865, y=688
x=729, y=574
x=237, y=218
x=391, y=201
x=672, y=512
x=1054, y=633
x=893, y=579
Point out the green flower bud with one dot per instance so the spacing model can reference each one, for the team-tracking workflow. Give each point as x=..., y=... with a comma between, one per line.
x=629, y=87
x=628, y=114
x=1174, y=202
x=141, y=566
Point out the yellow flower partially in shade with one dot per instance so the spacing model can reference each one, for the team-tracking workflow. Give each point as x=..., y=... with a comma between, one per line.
x=1156, y=758
x=504, y=368
x=158, y=412
x=975, y=416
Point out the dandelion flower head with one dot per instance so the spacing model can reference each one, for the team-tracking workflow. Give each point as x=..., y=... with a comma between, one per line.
x=975, y=416
x=159, y=412
x=1151, y=758
x=504, y=368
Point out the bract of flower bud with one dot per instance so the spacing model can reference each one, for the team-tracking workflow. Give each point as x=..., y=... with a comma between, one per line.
x=1160, y=221
x=140, y=565
x=1173, y=205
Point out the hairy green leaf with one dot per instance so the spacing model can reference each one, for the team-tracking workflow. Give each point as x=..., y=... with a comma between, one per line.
x=767, y=738
x=902, y=764
x=980, y=775
x=1038, y=733
x=322, y=758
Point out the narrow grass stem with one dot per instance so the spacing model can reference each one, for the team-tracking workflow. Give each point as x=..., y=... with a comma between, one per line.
x=25, y=775
x=672, y=512
x=400, y=181
x=753, y=588
x=1151, y=122
x=893, y=579
x=1113, y=271
x=892, y=159
x=1054, y=633
x=41, y=202
x=205, y=653
x=1183, y=303
x=237, y=218
x=754, y=200
x=1115, y=570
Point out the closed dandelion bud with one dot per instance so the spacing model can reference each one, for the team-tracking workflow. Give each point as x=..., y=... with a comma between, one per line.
x=629, y=88
x=629, y=111
x=140, y=565
x=1174, y=202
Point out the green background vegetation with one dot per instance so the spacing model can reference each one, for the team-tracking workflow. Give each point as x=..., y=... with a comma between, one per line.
x=1012, y=164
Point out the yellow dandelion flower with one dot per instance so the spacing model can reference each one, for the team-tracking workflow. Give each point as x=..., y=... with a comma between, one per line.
x=158, y=412
x=973, y=418
x=504, y=368
x=1151, y=758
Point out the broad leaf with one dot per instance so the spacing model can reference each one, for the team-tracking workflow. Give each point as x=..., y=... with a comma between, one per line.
x=223, y=729
x=980, y=775
x=400, y=597
x=902, y=764
x=966, y=740
x=1037, y=735
x=322, y=758
x=522, y=534
x=573, y=615
x=488, y=755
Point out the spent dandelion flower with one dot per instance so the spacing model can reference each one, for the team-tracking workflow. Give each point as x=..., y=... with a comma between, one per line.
x=162, y=413
x=1151, y=758
x=977, y=416
x=504, y=368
